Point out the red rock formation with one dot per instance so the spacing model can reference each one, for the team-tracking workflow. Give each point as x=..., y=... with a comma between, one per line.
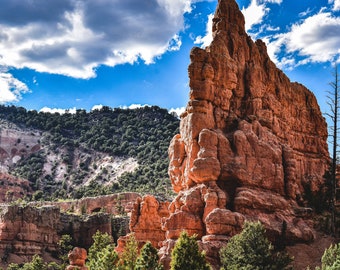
x=26, y=230
x=251, y=144
x=77, y=258
x=116, y=204
x=145, y=221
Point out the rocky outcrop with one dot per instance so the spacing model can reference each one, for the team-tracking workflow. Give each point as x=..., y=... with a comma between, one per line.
x=35, y=228
x=115, y=204
x=77, y=258
x=13, y=188
x=16, y=144
x=252, y=144
x=146, y=221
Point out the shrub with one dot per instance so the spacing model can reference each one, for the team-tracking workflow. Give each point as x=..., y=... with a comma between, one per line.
x=100, y=242
x=186, y=254
x=331, y=258
x=129, y=256
x=252, y=250
x=148, y=258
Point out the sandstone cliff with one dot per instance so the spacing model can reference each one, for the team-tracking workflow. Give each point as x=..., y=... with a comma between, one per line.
x=35, y=228
x=252, y=144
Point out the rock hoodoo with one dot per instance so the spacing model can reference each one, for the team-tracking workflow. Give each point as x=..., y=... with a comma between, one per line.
x=251, y=144
x=77, y=258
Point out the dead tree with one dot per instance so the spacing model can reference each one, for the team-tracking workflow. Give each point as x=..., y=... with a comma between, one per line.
x=334, y=104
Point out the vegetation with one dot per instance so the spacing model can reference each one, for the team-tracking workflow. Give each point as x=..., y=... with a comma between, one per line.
x=129, y=256
x=252, y=250
x=331, y=258
x=148, y=259
x=143, y=134
x=65, y=246
x=101, y=253
x=186, y=254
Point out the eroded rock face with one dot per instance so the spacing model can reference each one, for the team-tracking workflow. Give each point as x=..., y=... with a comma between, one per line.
x=77, y=258
x=146, y=222
x=251, y=144
x=13, y=188
x=26, y=230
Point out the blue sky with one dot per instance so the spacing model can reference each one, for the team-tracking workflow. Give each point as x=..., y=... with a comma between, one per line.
x=69, y=54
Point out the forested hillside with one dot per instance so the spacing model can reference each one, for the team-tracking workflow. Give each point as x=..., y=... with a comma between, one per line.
x=80, y=152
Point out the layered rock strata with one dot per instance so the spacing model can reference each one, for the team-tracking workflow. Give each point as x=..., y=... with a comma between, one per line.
x=146, y=221
x=252, y=144
x=26, y=230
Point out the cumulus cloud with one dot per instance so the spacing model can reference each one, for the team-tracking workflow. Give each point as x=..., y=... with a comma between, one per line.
x=206, y=40
x=10, y=88
x=254, y=13
x=58, y=110
x=314, y=39
x=73, y=37
x=177, y=111
x=134, y=106
x=336, y=5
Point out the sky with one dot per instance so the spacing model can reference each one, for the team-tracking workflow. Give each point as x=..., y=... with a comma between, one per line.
x=81, y=54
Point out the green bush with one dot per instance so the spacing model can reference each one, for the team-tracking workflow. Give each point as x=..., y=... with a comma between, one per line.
x=148, y=259
x=129, y=256
x=251, y=250
x=331, y=258
x=100, y=242
x=186, y=254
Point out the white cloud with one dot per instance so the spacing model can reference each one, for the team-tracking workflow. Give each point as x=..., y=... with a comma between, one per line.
x=206, y=40
x=58, y=110
x=272, y=1
x=177, y=111
x=315, y=39
x=134, y=106
x=80, y=35
x=336, y=5
x=97, y=107
x=254, y=14
x=10, y=88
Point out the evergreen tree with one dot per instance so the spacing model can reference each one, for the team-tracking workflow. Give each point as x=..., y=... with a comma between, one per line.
x=13, y=266
x=37, y=263
x=129, y=256
x=148, y=258
x=251, y=250
x=186, y=254
x=331, y=258
x=106, y=259
x=65, y=246
x=100, y=242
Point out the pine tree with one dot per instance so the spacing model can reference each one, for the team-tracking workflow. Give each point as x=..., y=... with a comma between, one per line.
x=148, y=259
x=100, y=242
x=186, y=254
x=129, y=256
x=106, y=259
x=37, y=263
x=252, y=250
x=65, y=245
x=331, y=258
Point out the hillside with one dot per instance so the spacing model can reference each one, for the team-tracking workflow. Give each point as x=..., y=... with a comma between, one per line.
x=87, y=153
